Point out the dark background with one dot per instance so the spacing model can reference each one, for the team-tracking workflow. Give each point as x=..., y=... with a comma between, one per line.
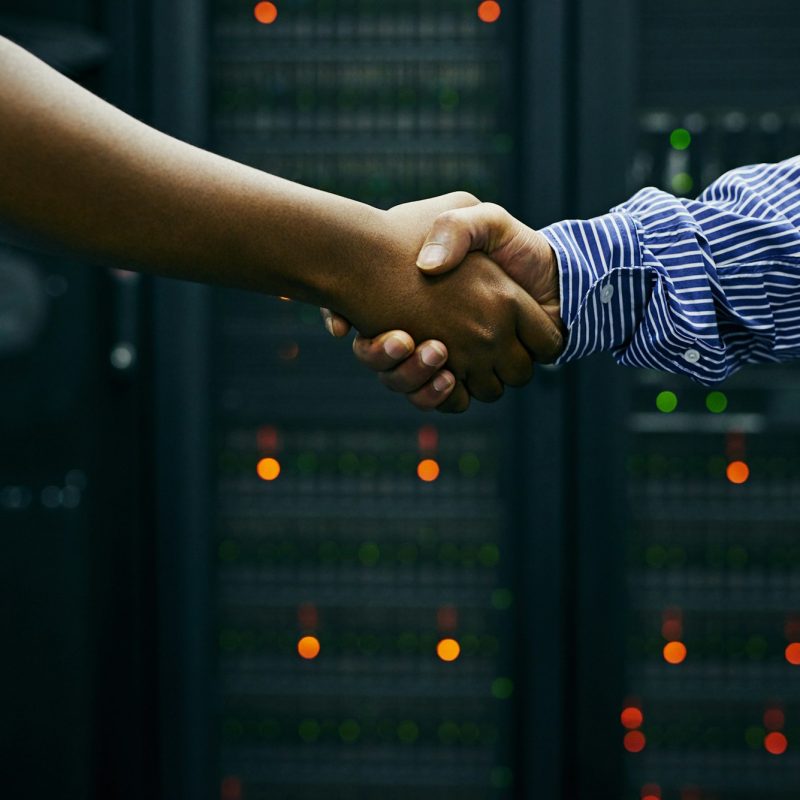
x=154, y=589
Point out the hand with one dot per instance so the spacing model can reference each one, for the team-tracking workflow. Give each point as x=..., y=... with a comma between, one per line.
x=491, y=330
x=523, y=253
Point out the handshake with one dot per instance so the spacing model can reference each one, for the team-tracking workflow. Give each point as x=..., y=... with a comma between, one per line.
x=474, y=286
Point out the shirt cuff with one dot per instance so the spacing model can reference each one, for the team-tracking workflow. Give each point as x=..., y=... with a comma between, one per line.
x=604, y=285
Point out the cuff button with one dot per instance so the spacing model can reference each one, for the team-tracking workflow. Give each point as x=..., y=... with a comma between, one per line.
x=692, y=356
x=606, y=293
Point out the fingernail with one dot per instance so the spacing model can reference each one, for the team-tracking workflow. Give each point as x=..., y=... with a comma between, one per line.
x=329, y=326
x=442, y=383
x=432, y=256
x=432, y=356
x=395, y=347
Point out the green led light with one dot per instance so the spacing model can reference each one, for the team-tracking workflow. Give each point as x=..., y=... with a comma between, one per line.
x=680, y=139
x=368, y=554
x=469, y=464
x=349, y=731
x=489, y=555
x=408, y=731
x=502, y=777
x=448, y=732
x=502, y=688
x=502, y=599
x=666, y=402
x=754, y=736
x=716, y=402
x=682, y=183
x=655, y=556
x=309, y=730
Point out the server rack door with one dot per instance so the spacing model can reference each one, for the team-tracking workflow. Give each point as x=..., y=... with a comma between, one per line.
x=706, y=544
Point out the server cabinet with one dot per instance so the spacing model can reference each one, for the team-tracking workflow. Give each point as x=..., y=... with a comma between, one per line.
x=705, y=542
x=352, y=593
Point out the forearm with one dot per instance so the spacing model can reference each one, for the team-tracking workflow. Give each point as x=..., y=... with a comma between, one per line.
x=82, y=173
x=698, y=287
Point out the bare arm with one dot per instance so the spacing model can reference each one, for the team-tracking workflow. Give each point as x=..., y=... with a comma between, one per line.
x=87, y=175
x=79, y=171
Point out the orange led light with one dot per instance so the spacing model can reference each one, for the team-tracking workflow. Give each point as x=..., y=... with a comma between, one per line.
x=793, y=653
x=268, y=469
x=634, y=741
x=448, y=649
x=631, y=717
x=489, y=11
x=428, y=470
x=308, y=647
x=775, y=743
x=738, y=472
x=266, y=14
x=674, y=652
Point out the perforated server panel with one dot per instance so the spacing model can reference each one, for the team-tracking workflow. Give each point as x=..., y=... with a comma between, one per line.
x=713, y=488
x=363, y=570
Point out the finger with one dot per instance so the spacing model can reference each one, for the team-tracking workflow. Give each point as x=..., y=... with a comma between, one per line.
x=537, y=331
x=516, y=368
x=457, y=401
x=413, y=373
x=433, y=393
x=335, y=324
x=485, y=387
x=385, y=351
x=457, y=232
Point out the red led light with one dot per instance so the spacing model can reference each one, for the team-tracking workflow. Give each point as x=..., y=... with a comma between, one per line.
x=489, y=11
x=634, y=741
x=775, y=743
x=231, y=788
x=447, y=618
x=774, y=719
x=793, y=653
x=267, y=439
x=651, y=791
x=307, y=616
x=428, y=439
x=631, y=717
x=266, y=14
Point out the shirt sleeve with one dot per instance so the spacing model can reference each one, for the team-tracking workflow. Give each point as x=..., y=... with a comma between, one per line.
x=697, y=287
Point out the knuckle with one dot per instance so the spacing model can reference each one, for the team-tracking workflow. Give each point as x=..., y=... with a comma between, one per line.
x=465, y=198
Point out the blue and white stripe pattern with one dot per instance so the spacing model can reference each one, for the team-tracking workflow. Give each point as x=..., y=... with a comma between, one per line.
x=697, y=287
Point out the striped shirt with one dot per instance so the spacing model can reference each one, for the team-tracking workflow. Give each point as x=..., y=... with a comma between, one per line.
x=697, y=287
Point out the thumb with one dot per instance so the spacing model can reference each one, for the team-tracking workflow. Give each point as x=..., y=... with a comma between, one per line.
x=458, y=232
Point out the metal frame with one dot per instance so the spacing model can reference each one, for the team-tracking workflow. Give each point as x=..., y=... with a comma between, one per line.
x=605, y=105
x=181, y=317
x=544, y=136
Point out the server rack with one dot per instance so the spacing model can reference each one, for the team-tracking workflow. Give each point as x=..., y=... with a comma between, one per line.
x=704, y=555
x=389, y=102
